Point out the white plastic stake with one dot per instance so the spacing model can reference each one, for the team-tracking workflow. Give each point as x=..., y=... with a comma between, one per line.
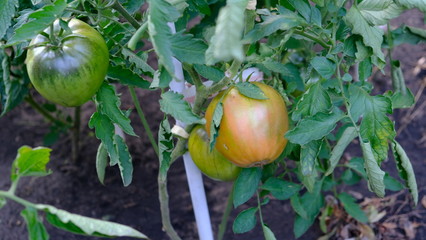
x=195, y=180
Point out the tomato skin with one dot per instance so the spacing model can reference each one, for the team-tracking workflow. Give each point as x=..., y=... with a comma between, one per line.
x=69, y=74
x=212, y=164
x=251, y=131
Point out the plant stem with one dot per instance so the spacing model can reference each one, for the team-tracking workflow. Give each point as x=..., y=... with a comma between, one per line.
x=43, y=112
x=392, y=67
x=13, y=186
x=225, y=216
x=17, y=199
x=259, y=206
x=76, y=134
x=164, y=206
x=143, y=119
x=117, y=6
x=312, y=37
x=195, y=77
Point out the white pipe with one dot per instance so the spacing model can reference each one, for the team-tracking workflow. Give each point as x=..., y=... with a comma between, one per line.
x=194, y=177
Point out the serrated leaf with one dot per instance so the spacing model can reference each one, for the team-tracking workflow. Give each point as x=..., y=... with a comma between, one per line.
x=313, y=101
x=87, y=226
x=127, y=76
x=138, y=61
x=101, y=162
x=348, y=135
x=226, y=43
x=375, y=175
x=104, y=131
x=214, y=127
x=31, y=162
x=420, y=4
x=133, y=6
x=172, y=103
x=308, y=156
x=210, y=73
x=160, y=12
x=281, y=189
x=7, y=11
x=267, y=232
x=245, y=221
x=324, y=66
x=289, y=72
x=188, y=49
x=379, y=12
x=161, y=79
x=352, y=208
x=314, y=128
x=372, y=36
x=405, y=170
x=250, y=90
x=12, y=90
x=165, y=147
x=41, y=19
x=246, y=185
x=125, y=161
x=272, y=23
x=35, y=227
x=109, y=104
x=375, y=127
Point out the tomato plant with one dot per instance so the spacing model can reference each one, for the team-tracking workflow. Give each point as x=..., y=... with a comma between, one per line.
x=212, y=163
x=314, y=64
x=70, y=69
x=251, y=130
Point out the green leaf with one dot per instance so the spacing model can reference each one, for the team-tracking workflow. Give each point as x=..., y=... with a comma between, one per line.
x=308, y=156
x=401, y=100
x=87, y=226
x=12, y=90
x=365, y=69
x=267, y=232
x=246, y=185
x=392, y=184
x=281, y=189
x=172, y=103
x=210, y=73
x=42, y=18
x=125, y=161
x=407, y=34
x=132, y=6
x=420, y=4
x=160, y=12
x=379, y=12
x=7, y=11
x=309, y=180
x=226, y=43
x=101, y=162
x=104, y=131
x=324, y=66
x=372, y=36
x=217, y=118
x=352, y=208
x=3, y=202
x=188, y=49
x=357, y=164
x=127, y=76
x=350, y=177
x=138, y=61
x=31, y=162
x=109, y=104
x=348, y=135
x=298, y=207
x=375, y=175
x=161, y=79
x=314, y=128
x=319, y=2
x=289, y=72
x=303, y=8
x=245, y=221
x=35, y=227
x=313, y=101
x=272, y=23
x=376, y=127
x=405, y=170
x=250, y=90
x=165, y=147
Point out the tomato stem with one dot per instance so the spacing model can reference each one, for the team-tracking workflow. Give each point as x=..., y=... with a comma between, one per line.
x=44, y=112
x=143, y=119
x=225, y=216
x=75, y=135
x=119, y=8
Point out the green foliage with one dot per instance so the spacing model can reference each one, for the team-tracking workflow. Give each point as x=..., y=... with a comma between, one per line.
x=30, y=162
x=246, y=185
x=173, y=104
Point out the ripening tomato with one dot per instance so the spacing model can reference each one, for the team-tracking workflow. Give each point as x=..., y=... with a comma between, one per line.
x=211, y=163
x=70, y=71
x=251, y=131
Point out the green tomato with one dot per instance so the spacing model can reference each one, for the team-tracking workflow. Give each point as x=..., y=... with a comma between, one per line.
x=212, y=164
x=70, y=72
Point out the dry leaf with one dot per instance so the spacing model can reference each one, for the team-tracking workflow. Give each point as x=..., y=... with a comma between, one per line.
x=410, y=230
x=366, y=232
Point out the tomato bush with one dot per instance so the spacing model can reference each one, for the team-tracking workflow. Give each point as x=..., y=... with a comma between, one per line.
x=251, y=131
x=70, y=70
x=212, y=163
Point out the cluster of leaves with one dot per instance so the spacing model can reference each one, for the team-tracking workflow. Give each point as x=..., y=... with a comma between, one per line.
x=32, y=162
x=318, y=54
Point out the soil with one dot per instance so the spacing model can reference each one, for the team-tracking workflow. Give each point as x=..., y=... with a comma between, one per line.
x=74, y=186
